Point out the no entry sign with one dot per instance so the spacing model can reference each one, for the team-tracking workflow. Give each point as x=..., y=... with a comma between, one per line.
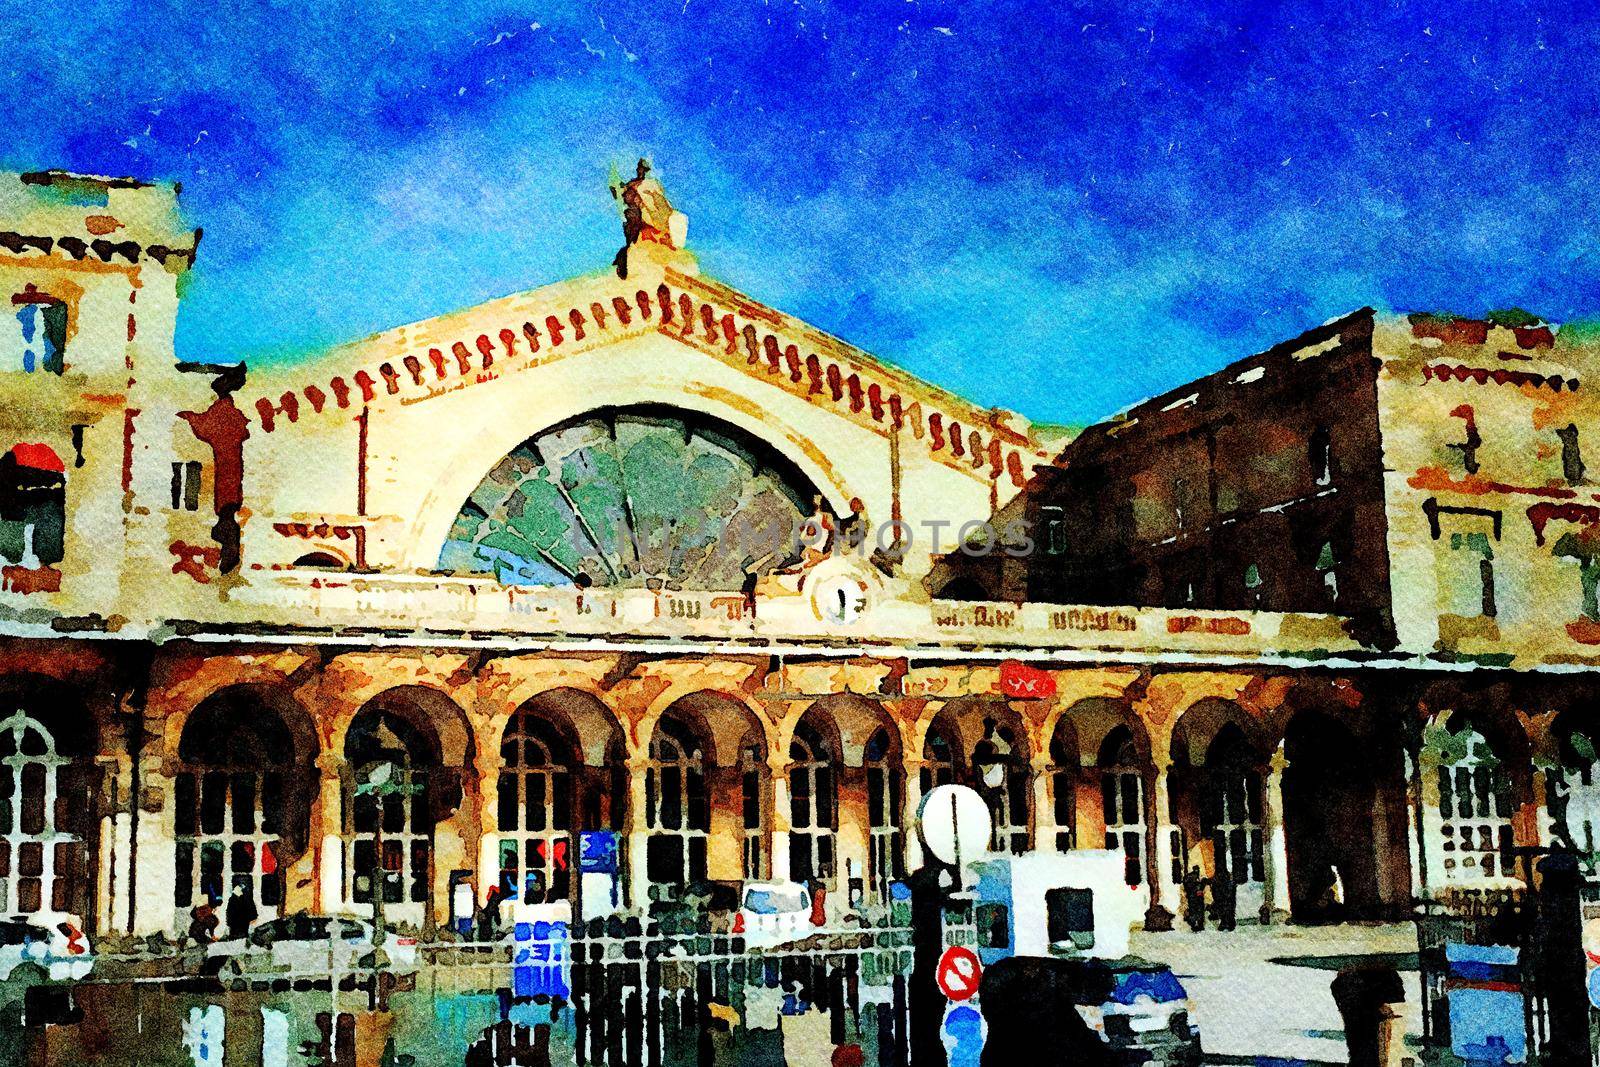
x=958, y=973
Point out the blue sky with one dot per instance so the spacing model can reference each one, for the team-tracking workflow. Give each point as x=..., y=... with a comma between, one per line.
x=1055, y=207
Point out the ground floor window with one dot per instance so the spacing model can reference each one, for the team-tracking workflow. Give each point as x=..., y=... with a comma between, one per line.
x=229, y=804
x=37, y=858
x=1475, y=838
x=885, y=843
x=676, y=809
x=391, y=826
x=227, y=825
x=534, y=810
x=751, y=781
x=812, y=807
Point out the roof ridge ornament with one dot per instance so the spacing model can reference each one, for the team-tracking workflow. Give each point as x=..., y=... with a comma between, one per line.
x=648, y=217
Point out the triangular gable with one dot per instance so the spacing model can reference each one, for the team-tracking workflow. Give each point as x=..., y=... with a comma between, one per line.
x=562, y=320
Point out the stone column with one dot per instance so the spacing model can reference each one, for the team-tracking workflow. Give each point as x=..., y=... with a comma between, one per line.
x=489, y=764
x=1163, y=891
x=114, y=908
x=1277, y=857
x=1044, y=810
x=327, y=827
x=153, y=846
x=778, y=775
x=637, y=889
x=908, y=825
x=1414, y=826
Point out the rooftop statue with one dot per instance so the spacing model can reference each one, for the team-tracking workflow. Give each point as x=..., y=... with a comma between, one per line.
x=647, y=214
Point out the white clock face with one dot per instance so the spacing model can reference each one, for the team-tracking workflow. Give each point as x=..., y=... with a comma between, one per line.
x=840, y=599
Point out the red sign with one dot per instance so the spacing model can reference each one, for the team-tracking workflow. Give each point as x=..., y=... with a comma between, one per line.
x=958, y=973
x=1024, y=682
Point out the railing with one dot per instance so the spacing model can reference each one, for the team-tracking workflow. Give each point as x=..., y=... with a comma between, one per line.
x=482, y=606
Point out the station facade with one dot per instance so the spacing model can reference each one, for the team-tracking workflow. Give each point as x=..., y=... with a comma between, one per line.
x=635, y=558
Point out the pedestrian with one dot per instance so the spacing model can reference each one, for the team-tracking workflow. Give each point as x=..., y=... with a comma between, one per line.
x=462, y=896
x=203, y=923
x=489, y=917
x=241, y=911
x=747, y=589
x=1224, y=895
x=1194, y=898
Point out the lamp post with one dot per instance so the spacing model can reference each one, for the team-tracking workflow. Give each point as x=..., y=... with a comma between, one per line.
x=381, y=779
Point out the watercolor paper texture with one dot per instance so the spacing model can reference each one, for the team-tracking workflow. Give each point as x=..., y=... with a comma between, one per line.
x=911, y=535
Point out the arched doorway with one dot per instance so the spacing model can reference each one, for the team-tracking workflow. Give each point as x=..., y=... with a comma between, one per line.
x=1066, y=765
x=406, y=751
x=534, y=815
x=1331, y=812
x=983, y=744
x=1231, y=814
x=1217, y=786
x=1572, y=785
x=1122, y=798
x=562, y=772
x=703, y=785
x=1476, y=776
x=813, y=803
x=241, y=799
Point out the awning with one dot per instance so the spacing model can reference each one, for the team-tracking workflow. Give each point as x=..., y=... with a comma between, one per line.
x=39, y=457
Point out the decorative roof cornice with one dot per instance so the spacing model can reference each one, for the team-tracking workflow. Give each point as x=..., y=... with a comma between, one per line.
x=79, y=249
x=713, y=319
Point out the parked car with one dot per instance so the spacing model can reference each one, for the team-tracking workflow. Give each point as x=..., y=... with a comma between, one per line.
x=55, y=944
x=773, y=913
x=310, y=945
x=1138, y=1008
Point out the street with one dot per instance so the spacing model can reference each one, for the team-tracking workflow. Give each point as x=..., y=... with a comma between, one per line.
x=1259, y=994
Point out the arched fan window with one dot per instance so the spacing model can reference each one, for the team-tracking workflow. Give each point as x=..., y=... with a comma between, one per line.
x=626, y=497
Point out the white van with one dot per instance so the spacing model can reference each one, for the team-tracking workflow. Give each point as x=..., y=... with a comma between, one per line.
x=773, y=913
x=1054, y=904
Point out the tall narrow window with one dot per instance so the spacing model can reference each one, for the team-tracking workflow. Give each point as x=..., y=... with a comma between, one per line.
x=1470, y=441
x=938, y=761
x=1063, y=787
x=675, y=807
x=186, y=485
x=1122, y=794
x=1054, y=520
x=885, y=848
x=1320, y=453
x=1475, y=839
x=812, y=807
x=1476, y=548
x=534, y=819
x=1571, y=455
x=752, y=779
x=1231, y=817
x=1328, y=567
x=1001, y=768
x=391, y=838
x=1583, y=547
x=33, y=865
x=39, y=340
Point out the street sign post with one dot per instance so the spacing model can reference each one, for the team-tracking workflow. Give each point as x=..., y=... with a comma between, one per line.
x=958, y=973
